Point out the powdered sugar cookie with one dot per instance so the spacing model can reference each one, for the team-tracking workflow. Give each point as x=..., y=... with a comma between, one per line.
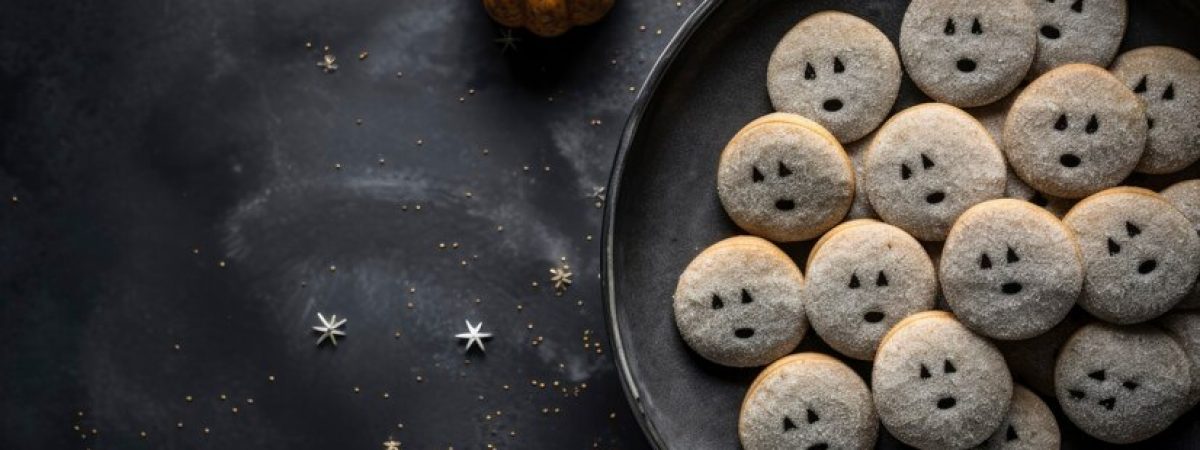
x=1077, y=31
x=1168, y=82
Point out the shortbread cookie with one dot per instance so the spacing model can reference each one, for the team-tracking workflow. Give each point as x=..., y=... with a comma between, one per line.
x=1185, y=328
x=1010, y=270
x=1032, y=360
x=807, y=401
x=1168, y=82
x=739, y=303
x=1030, y=425
x=967, y=52
x=785, y=178
x=838, y=70
x=861, y=281
x=938, y=385
x=860, y=208
x=1077, y=31
x=927, y=165
x=1122, y=384
x=1141, y=255
x=1075, y=131
x=1185, y=195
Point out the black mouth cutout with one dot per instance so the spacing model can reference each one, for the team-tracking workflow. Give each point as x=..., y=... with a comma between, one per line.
x=1069, y=160
x=832, y=105
x=965, y=65
x=946, y=402
x=1051, y=32
x=935, y=198
x=785, y=205
x=873, y=316
x=744, y=333
x=1011, y=288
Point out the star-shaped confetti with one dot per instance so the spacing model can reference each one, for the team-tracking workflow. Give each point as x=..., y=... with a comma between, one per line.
x=391, y=444
x=473, y=336
x=328, y=63
x=507, y=41
x=561, y=277
x=329, y=328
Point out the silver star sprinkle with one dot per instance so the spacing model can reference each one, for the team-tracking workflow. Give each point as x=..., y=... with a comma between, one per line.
x=507, y=40
x=473, y=336
x=391, y=444
x=561, y=277
x=328, y=64
x=329, y=328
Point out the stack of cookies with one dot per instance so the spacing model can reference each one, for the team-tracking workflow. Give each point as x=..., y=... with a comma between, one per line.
x=961, y=251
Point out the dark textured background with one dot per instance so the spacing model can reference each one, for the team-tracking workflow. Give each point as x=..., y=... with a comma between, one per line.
x=144, y=142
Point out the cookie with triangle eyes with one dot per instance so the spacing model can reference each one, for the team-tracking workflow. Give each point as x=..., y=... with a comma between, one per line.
x=937, y=384
x=1075, y=131
x=838, y=70
x=1167, y=80
x=1030, y=425
x=738, y=303
x=1010, y=270
x=928, y=164
x=1184, y=326
x=1185, y=195
x=966, y=52
x=1122, y=384
x=864, y=277
x=785, y=178
x=1076, y=31
x=1141, y=255
x=807, y=401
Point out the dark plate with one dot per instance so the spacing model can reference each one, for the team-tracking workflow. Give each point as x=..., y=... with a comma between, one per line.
x=663, y=206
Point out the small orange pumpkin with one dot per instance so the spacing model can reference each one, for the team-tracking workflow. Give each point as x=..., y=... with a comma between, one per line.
x=547, y=18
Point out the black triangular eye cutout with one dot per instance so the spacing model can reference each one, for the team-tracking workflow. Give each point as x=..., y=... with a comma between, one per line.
x=1011, y=434
x=854, y=281
x=1097, y=375
x=985, y=262
x=1130, y=385
x=949, y=30
x=838, y=67
x=812, y=416
x=1011, y=256
x=976, y=28
x=948, y=367
x=905, y=172
x=1169, y=93
x=1092, y=125
x=1077, y=395
x=809, y=72
x=1113, y=247
x=788, y=425
x=881, y=280
x=924, y=371
x=756, y=175
x=784, y=170
x=926, y=163
x=1077, y=6
x=1132, y=229
x=1061, y=123
x=716, y=302
x=746, y=297
x=1141, y=86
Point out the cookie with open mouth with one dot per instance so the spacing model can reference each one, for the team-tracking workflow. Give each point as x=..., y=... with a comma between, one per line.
x=1077, y=31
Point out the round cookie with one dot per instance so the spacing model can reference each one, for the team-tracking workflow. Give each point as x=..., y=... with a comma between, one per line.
x=1076, y=31
x=937, y=384
x=1075, y=131
x=862, y=280
x=1185, y=195
x=1185, y=328
x=1121, y=384
x=1168, y=82
x=738, y=303
x=838, y=70
x=807, y=401
x=927, y=165
x=1030, y=425
x=967, y=52
x=1032, y=360
x=1010, y=270
x=1141, y=255
x=785, y=178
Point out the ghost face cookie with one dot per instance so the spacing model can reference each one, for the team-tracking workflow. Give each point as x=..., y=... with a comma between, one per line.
x=1030, y=425
x=738, y=303
x=785, y=178
x=1185, y=195
x=1075, y=131
x=864, y=279
x=838, y=70
x=1010, y=270
x=1122, y=384
x=807, y=401
x=1168, y=82
x=927, y=165
x=1077, y=31
x=1184, y=327
x=938, y=385
x=1141, y=254
x=966, y=52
